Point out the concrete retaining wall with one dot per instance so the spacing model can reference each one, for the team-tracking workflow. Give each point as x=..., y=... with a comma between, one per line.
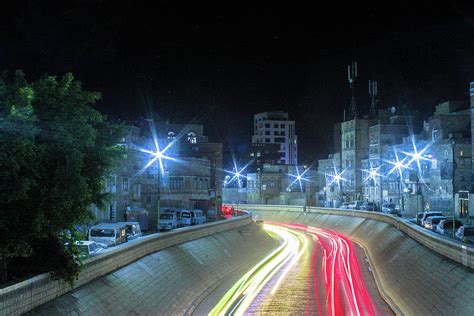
x=459, y=252
x=410, y=265
x=26, y=295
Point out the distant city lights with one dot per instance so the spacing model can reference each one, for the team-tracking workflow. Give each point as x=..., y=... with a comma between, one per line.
x=236, y=173
x=299, y=177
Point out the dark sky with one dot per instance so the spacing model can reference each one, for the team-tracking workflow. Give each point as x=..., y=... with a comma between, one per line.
x=220, y=64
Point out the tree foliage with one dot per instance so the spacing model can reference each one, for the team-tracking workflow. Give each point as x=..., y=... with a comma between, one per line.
x=55, y=150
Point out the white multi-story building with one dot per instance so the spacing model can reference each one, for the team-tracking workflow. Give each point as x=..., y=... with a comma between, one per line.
x=276, y=128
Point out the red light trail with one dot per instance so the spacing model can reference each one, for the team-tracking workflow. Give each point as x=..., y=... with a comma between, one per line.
x=332, y=281
x=344, y=286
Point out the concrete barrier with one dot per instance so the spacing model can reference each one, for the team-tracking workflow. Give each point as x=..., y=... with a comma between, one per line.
x=459, y=252
x=24, y=296
x=411, y=266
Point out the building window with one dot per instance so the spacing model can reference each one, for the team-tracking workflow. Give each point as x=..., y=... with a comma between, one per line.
x=267, y=133
x=279, y=139
x=148, y=198
x=176, y=183
x=275, y=125
x=267, y=125
x=267, y=140
x=282, y=125
x=125, y=184
x=192, y=138
x=461, y=152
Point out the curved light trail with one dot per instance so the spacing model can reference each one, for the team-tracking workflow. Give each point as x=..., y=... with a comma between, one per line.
x=345, y=290
x=335, y=285
x=238, y=299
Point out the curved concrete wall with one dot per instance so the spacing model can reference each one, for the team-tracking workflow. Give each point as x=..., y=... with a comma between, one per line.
x=172, y=281
x=26, y=295
x=413, y=279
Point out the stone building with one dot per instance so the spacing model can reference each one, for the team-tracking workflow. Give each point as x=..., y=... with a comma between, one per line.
x=355, y=145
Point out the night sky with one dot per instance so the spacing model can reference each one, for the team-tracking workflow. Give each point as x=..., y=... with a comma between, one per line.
x=218, y=65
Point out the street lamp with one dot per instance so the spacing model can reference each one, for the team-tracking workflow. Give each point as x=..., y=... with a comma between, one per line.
x=156, y=155
x=397, y=167
x=299, y=177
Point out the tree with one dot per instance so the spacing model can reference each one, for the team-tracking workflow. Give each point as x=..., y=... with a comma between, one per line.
x=55, y=150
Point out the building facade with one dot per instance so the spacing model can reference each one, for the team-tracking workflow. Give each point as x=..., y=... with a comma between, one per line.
x=355, y=145
x=276, y=128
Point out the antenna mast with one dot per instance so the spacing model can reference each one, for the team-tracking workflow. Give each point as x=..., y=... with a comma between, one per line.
x=351, y=77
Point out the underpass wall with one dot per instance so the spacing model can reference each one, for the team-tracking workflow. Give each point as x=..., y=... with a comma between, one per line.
x=413, y=279
x=195, y=252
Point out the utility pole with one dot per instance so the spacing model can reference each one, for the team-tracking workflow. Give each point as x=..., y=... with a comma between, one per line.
x=453, y=143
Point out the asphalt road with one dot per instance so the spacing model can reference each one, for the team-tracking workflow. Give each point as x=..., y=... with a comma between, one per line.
x=314, y=271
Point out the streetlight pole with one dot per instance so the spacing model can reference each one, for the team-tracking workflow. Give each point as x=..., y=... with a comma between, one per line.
x=158, y=195
x=453, y=143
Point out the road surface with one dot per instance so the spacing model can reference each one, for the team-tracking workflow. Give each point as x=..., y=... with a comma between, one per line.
x=314, y=271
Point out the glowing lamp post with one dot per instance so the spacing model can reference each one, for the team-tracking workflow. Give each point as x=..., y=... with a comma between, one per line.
x=156, y=156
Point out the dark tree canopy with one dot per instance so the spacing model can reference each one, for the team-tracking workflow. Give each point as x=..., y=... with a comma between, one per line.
x=55, y=150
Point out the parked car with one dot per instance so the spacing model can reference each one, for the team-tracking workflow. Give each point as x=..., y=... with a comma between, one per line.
x=465, y=233
x=428, y=214
x=345, y=205
x=391, y=208
x=110, y=234
x=186, y=218
x=88, y=249
x=355, y=205
x=369, y=206
x=133, y=230
x=431, y=222
x=197, y=217
x=168, y=221
x=445, y=227
x=417, y=218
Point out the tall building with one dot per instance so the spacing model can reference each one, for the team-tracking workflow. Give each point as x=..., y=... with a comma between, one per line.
x=262, y=153
x=355, y=146
x=276, y=128
x=386, y=130
x=330, y=193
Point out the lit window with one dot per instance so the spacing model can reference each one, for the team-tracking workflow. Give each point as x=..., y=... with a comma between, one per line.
x=192, y=138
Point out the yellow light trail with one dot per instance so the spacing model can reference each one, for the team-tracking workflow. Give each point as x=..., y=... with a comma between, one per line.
x=238, y=299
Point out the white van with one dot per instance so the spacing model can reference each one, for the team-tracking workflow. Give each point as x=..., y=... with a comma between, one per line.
x=133, y=230
x=168, y=221
x=186, y=218
x=197, y=217
x=110, y=234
